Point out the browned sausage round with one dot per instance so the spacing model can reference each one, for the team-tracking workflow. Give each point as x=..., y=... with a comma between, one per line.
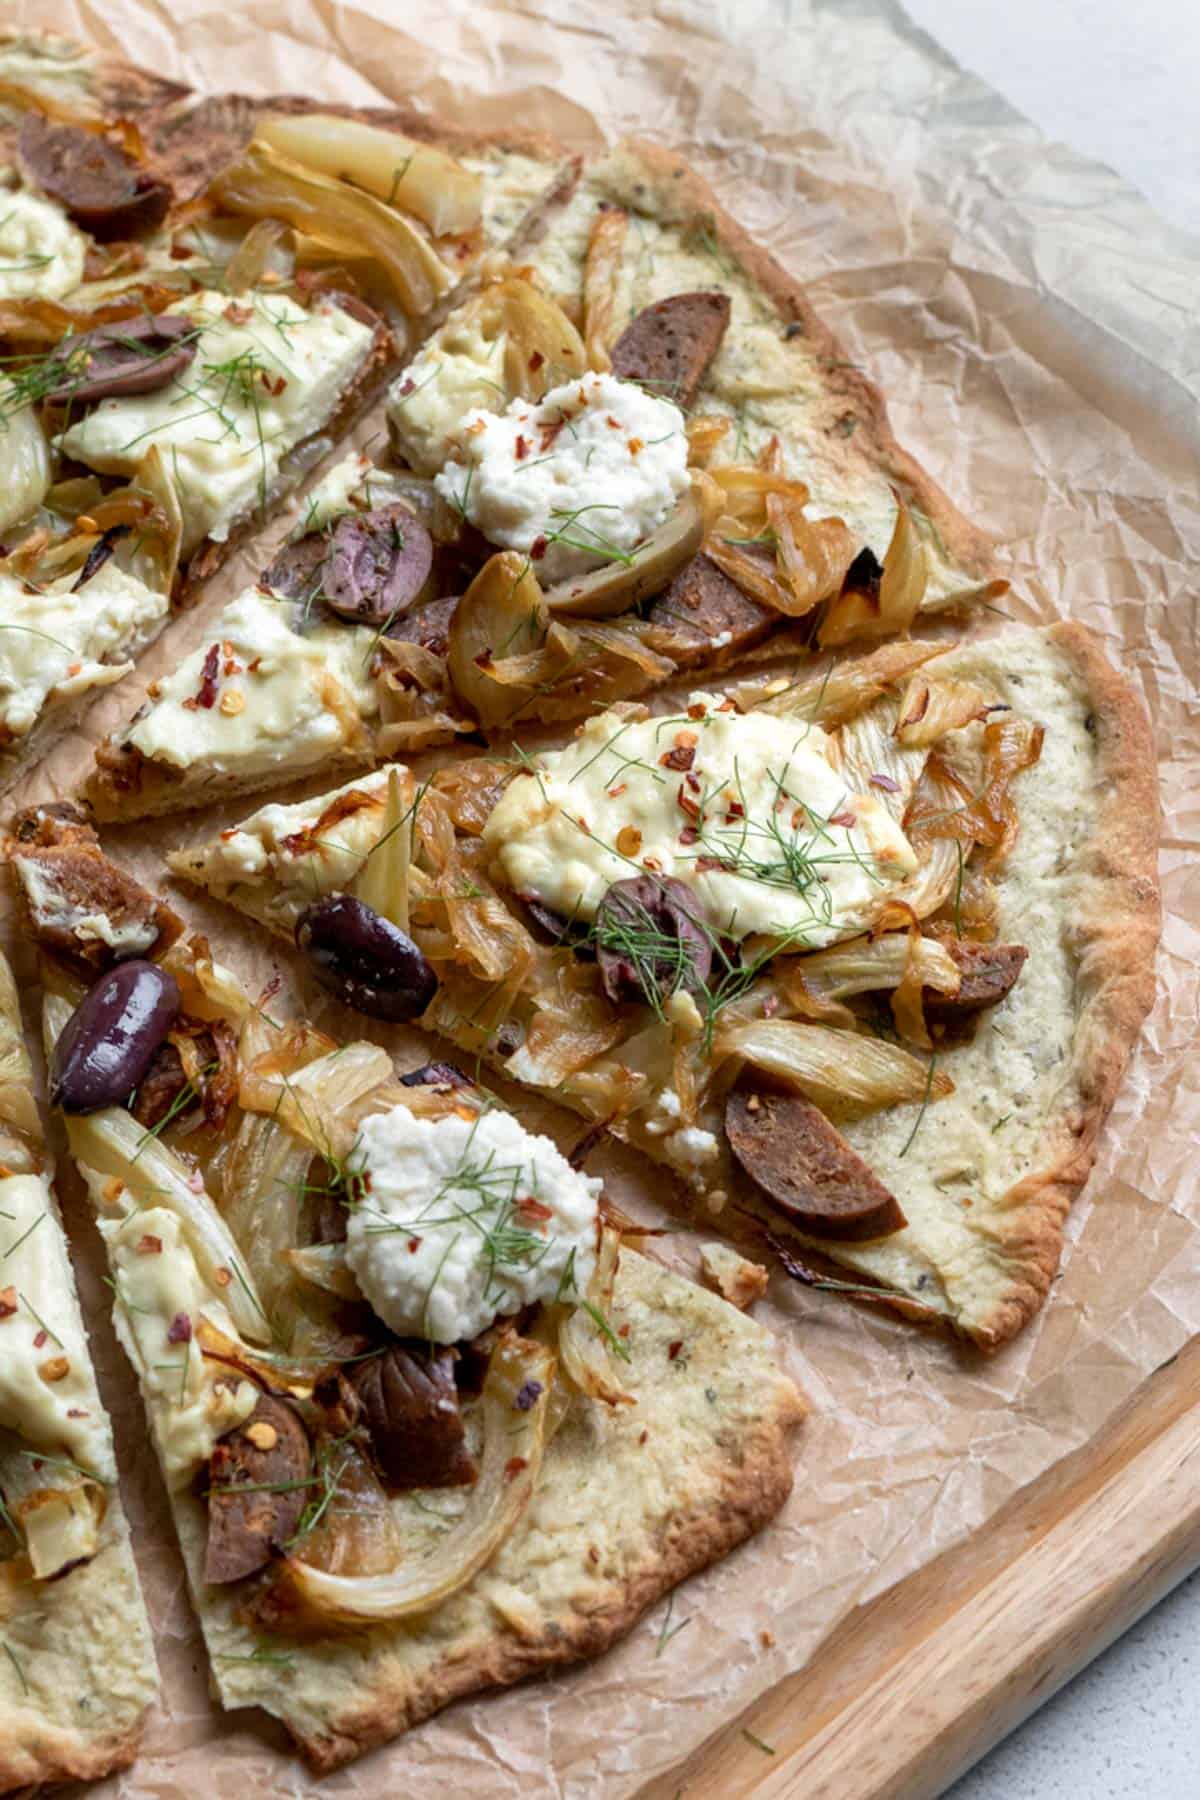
x=804, y=1165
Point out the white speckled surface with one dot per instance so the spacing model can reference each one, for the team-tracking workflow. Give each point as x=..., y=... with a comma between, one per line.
x=1122, y=84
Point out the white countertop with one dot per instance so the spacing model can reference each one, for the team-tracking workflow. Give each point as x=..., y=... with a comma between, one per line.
x=1122, y=84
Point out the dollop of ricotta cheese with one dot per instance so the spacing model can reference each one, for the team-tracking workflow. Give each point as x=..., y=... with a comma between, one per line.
x=748, y=809
x=462, y=1220
x=574, y=480
x=260, y=694
x=266, y=375
x=41, y=252
x=56, y=640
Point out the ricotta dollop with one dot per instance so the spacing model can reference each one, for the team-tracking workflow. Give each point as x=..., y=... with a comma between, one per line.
x=573, y=480
x=462, y=1220
x=747, y=809
x=266, y=375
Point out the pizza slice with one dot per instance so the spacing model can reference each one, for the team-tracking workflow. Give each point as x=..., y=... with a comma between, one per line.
x=634, y=455
x=268, y=261
x=858, y=956
x=430, y=1418
x=77, y=1670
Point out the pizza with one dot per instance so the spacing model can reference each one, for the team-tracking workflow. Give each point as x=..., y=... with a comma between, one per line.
x=634, y=455
x=423, y=1432
x=77, y=1670
x=762, y=934
x=653, y=743
x=201, y=297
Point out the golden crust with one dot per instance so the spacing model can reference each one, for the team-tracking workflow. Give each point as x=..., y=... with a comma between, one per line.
x=1114, y=936
x=53, y=1755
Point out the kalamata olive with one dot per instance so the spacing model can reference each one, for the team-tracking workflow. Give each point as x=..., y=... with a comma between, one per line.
x=100, y=185
x=378, y=562
x=437, y=1074
x=132, y=356
x=369, y=963
x=651, y=941
x=109, y=1041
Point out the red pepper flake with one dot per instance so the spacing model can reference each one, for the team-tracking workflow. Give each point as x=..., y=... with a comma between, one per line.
x=536, y=360
x=693, y=781
x=40, y=1338
x=697, y=710
x=149, y=1245
x=614, y=423
x=8, y=1302
x=885, y=782
x=687, y=804
x=483, y=660
x=527, y=1395
x=232, y=666
x=846, y=819
x=550, y=432
x=681, y=757
x=270, y=990
x=253, y=668
x=407, y=385
x=522, y=448
x=706, y=863
x=643, y=1437
x=77, y=1412
x=179, y=252
x=635, y=444
x=534, y=1209
x=538, y=548
x=614, y=793
x=179, y=1331
x=689, y=835
x=652, y=863
x=674, y=1349
x=729, y=705
x=238, y=315
x=514, y=1465
x=209, y=678
x=734, y=810
x=623, y=1330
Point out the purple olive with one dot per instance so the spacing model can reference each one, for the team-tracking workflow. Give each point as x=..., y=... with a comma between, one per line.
x=110, y=1039
x=369, y=963
x=132, y=356
x=651, y=941
x=378, y=562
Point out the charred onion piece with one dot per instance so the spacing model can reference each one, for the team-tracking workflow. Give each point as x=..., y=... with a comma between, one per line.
x=270, y=1457
x=606, y=592
x=669, y=345
x=804, y=1165
x=134, y=356
x=409, y=1405
x=110, y=1039
x=989, y=973
x=649, y=942
x=369, y=963
x=377, y=564
x=101, y=187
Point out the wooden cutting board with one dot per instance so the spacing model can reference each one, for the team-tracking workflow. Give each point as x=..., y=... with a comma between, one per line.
x=915, y=1687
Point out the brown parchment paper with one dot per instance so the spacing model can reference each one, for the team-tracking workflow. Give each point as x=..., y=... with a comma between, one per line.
x=1036, y=329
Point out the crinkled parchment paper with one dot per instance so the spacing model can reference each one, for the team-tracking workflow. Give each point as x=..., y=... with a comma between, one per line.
x=1035, y=327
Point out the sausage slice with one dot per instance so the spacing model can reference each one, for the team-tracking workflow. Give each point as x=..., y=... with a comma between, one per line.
x=409, y=1405
x=703, y=612
x=101, y=186
x=269, y=1456
x=804, y=1165
x=989, y=973
x=669, y=345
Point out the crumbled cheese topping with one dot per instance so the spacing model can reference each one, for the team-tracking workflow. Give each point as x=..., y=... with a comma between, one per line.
x=465, y=1219
x=41, y=252
x=746, y=808
x=576, y=480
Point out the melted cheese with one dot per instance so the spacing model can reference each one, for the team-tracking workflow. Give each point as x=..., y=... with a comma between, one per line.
x=268, y=843
x=160, y=1298
x=56, y=642
x=458, y=370
x=48, y=1392
x=283, y=697
x=41, y=252
x=258, y=386
x=760, y=827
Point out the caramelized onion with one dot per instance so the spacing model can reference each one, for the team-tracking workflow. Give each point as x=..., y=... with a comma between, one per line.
x=835, y=1068
x=858, y=612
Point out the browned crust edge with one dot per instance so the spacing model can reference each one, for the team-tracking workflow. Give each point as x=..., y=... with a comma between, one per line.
x=688, y=196
x=57, y=1756
x=754, y=1489
x=1114, y=938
